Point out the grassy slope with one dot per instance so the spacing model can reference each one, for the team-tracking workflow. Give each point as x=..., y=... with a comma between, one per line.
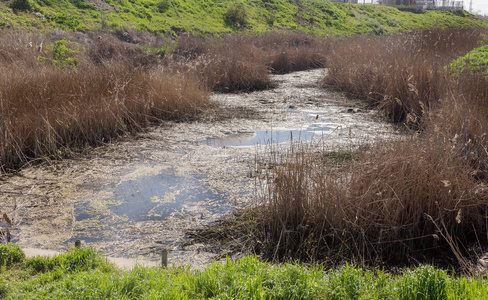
x=208, y=16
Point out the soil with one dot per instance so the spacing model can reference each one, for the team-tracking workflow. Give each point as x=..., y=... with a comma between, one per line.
x=135, y=196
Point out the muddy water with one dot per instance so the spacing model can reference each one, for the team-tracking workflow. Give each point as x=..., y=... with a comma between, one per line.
x=135, y=196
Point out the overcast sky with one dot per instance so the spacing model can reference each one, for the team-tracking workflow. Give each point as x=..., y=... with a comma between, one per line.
x=478, y=5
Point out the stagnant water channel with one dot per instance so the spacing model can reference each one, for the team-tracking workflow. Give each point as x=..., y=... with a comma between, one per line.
x=140, y=194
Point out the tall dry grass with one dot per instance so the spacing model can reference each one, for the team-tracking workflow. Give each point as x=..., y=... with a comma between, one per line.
x=463, y=118
x=404, y=202
x=403, y=74
x=114, y=88
x=417, y=199
x=244, y=62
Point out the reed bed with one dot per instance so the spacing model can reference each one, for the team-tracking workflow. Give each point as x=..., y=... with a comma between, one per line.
x=404, y=74
x=403, y=201
x=244, y=62
x=406, y=200
x=422, y=198
x=49, y=108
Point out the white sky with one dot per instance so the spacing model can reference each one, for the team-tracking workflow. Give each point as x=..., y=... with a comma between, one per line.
x=478, y=5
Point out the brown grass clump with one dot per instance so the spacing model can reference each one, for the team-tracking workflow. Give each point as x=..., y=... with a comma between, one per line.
x=47, y=107
x=403, y=74
x=400, y=203
x=463, y=119
x=286, y=52
x=244, y=62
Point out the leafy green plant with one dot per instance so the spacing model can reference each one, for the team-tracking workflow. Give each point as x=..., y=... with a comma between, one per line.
x=67, y=21
x=61, y=54
x=81, y=4
x=10, y=254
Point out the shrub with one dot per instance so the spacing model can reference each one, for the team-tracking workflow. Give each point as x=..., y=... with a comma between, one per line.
x=476, y=61
x=21, y=5
x=10, y=254
x=61, y=54
x=163, y=5
x=67, y=21
x=236, y=15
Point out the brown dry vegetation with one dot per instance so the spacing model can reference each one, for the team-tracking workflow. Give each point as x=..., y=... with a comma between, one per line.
x=109, y=86
x=402, y=201
x=109, y=89
x=244, y=62
x=403, y=73
x=422, y=198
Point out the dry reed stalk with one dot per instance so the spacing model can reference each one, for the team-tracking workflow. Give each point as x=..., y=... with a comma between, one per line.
x=45, y=109
x=404, y=74
x=376, y=211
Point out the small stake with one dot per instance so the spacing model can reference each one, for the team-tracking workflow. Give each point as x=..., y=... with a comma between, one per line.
x=164, y=258
x=77, y=244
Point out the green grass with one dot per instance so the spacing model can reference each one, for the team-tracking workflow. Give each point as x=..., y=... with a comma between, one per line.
x=225, y=16
x=84, y=274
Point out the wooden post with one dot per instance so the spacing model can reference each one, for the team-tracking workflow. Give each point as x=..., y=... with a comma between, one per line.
x=77, y=244
x=164, y=258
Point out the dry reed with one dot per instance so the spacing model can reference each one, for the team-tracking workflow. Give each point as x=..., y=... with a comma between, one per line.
x=114, y=88
x=404, y=74
x=244, y=62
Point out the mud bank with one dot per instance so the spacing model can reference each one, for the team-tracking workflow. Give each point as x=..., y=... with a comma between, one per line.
x=140, y=194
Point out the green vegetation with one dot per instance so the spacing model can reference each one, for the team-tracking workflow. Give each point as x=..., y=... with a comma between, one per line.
x=225, y=16
x=60, y=54
x=476, y=61
x=84, y=274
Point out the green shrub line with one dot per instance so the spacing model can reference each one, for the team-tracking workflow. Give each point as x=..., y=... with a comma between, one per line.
x=83, y=273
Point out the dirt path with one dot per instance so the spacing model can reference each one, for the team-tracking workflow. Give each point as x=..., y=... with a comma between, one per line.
x=135, y=196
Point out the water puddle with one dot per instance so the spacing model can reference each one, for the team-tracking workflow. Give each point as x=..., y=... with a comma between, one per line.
x=145, y=199
x=272, y=136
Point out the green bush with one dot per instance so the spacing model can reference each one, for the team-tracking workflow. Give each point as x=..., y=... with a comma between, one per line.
x=21, y=5
x=236, y=14
x=81, y=4
x=163, y=5
x=10, y=254
x=67, y=21
x=475, y=61
x=61, y=54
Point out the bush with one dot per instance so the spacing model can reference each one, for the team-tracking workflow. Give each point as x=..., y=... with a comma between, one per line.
x=475, y=61
x=163, y=5
x=236, y=15
x=10, y=254
x=61, y=54
x=21, y=5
